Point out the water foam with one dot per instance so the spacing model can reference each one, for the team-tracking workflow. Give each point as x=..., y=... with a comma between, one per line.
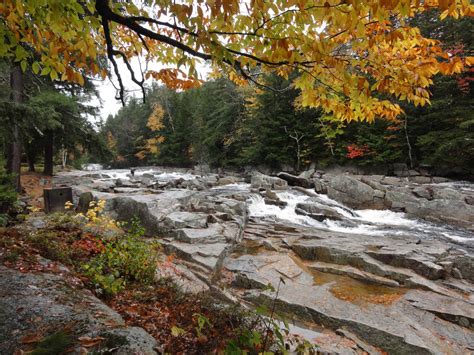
x=371, y=222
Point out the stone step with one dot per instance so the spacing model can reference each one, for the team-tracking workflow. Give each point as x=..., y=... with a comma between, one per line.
x=352, y=272
x=367, y=253
x=212, y=234
x=206, y=255
x=448, y=308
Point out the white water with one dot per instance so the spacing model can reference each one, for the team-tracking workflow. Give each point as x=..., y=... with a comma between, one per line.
x=124, y=174
x=157, y=175
x=92, y=167
x=371, y=222
x=233, y=187
x=258, y=208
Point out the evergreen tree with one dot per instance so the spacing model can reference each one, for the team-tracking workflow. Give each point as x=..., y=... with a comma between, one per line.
x=443, y=133
x=274, y=133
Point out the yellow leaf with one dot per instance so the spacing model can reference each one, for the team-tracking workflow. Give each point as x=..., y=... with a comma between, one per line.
x=469, y=61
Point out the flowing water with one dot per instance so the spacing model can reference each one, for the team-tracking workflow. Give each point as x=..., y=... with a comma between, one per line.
x=158, y=175
x=370, y=222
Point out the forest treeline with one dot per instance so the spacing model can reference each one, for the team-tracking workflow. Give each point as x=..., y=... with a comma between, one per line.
x=224, y=125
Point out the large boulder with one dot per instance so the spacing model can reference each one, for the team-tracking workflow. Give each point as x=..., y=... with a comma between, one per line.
x=125, y=183
x=193, y=184
x=296, y=180
x=262, y=181
x=271, y=198
x=103, y=185
x=147, y=180
x=84, y=202
x=34, y=301
x=227, y=180
x=320, y=186
x=353, y=193
x=449, y=211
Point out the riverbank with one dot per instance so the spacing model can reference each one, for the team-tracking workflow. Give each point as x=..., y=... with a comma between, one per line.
x=370, y=278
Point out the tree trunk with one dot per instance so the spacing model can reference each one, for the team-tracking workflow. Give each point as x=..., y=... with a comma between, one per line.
x=48, y=153
x=8, y=156
x=63, y=157
x=16, y=85
x=31, y=155
x=408, y=142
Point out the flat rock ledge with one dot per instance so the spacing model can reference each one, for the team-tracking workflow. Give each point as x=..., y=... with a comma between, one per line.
x=394, y=293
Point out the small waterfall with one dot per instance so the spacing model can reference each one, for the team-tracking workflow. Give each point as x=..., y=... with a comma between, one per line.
x=371, y=222
x=258, y=208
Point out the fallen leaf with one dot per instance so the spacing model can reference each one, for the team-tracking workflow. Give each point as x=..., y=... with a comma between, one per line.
x=110, y=323
x=177, y=331
x=89, y=342
x=202, y=339
x=31, y=338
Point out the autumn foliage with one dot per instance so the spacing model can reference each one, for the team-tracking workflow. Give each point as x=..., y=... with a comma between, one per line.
x=154, y=124
x=346, y=52
x=356, y=151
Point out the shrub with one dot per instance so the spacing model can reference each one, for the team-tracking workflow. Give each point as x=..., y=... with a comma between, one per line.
x=124, y=259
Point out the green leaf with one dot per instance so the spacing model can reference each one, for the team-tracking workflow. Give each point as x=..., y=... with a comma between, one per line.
x=35, y=67
x=23, y=65
x=262, y=310
x=53, y=75
x=269, y=287
x=45, y=71
x=177, y=331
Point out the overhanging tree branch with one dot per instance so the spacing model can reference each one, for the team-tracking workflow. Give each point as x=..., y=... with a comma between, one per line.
x=132, y=23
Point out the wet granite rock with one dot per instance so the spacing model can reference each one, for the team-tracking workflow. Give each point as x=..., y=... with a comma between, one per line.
x=103, y=185
x=318, y=211
x=423, y=192
x=352, y=192
x=127, y=183
x=389, y=307
x=359, y=250
x=421, y=198
x=183, y=219
x=294, y=180
x=227, y=180
x=320, y=186
x=262, y=181
x=271, y=198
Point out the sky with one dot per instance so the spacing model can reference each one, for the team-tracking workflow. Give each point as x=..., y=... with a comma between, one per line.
x=107, y=91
